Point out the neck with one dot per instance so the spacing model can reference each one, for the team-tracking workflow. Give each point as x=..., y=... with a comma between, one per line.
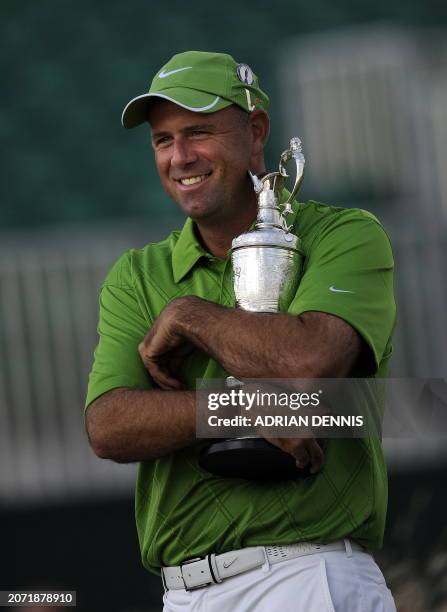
x=216, y=237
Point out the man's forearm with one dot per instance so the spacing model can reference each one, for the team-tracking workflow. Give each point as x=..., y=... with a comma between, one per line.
x=133, y=425
x=245, y=344
x=255, y=345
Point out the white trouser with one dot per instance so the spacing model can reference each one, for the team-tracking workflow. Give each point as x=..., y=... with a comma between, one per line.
x=338, y=581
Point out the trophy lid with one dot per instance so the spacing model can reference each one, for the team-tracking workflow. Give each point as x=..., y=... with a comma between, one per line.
x=267, y=237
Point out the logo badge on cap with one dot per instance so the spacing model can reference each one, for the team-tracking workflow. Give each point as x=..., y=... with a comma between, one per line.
x=245, y=74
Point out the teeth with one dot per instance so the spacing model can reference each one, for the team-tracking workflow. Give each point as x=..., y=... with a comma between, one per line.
x=193, y=179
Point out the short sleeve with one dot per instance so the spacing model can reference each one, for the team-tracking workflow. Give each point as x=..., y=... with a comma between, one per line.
x=349, y=273
x=121, y=328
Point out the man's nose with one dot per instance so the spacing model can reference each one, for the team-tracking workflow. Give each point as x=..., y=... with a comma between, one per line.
x=183, y=153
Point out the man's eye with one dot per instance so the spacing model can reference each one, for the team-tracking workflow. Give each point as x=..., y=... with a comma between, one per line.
x=198, y=133
x=163, y=140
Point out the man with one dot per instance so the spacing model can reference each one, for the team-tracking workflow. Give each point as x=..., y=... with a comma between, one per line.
x=167, y=317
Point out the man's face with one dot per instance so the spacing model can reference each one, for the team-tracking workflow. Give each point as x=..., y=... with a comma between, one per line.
x=202, y=159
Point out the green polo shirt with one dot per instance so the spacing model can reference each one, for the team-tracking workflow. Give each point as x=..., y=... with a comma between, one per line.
x=181, y=510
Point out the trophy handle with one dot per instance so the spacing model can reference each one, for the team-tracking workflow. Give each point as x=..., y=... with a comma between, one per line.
x=293, y=152
x=270, y=186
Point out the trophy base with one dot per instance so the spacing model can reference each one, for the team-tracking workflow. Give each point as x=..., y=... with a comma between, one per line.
x=249, y=458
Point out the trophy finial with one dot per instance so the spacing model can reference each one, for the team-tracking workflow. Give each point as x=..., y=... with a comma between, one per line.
x=295, y=144
x=293, y=152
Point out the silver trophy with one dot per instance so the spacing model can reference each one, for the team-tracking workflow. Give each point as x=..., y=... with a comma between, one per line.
x=267, y=265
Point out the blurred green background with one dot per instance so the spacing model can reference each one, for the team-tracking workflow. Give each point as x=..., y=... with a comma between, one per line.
x=68, y=68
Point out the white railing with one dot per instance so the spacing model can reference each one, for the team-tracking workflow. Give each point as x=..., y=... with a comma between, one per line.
x=48, y=318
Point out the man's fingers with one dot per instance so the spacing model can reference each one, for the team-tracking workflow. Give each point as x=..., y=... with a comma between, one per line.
x=162, y=354
x=162, y=376
x=155, y=365
x=309, y=452
x=305, y=451
x=169, y=384
x=316, y=455
x=301, y=457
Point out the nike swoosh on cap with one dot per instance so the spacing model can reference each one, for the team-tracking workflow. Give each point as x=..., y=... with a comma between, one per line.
x=163, y=75
x=334, y=290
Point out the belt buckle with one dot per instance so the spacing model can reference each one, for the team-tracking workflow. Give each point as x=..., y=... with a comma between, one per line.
x=187, y=562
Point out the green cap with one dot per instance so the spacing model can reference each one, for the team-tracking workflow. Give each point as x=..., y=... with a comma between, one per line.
x=200, y=82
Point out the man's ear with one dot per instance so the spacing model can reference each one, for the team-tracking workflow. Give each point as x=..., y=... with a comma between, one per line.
x=259, y=123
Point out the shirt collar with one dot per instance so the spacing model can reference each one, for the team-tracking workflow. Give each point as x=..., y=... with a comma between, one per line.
x=186, y=252
x=188, y=249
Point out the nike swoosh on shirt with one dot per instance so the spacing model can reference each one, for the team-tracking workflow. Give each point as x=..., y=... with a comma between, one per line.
x=163, y=75
x=227, y=564
x=334, y=290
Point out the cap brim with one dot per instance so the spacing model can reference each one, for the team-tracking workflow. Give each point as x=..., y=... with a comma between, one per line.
x=135, y=112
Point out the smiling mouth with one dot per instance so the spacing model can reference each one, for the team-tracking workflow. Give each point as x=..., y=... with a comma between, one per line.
x=193, y=180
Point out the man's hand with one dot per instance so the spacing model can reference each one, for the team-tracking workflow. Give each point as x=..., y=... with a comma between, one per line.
x=249, y=344
x=305, y=451
x=163, y=348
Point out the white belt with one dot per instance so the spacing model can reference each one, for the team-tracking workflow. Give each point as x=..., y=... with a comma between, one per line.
x=212, y=569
